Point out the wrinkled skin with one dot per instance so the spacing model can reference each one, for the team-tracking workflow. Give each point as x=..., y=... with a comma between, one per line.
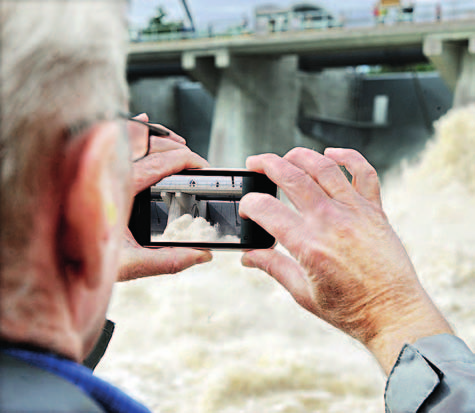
x=168, y=155
x=347, y=265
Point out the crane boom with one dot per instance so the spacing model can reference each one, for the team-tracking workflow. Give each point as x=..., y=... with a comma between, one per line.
x=188, y=13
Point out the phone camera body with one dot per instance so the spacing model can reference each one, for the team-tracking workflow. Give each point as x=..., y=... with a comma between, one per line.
x=176, y=210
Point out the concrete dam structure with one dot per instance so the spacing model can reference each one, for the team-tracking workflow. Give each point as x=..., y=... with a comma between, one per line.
x=253, y=95
x=386, y=117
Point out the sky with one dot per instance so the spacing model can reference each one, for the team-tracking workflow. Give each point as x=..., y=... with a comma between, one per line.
x=211, y=11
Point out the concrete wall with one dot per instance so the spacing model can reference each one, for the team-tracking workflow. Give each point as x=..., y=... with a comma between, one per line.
x=178, y=103
x=330, y=93
x=156, y=96
x=256, y=110
x=335, y=109
x=415, y=101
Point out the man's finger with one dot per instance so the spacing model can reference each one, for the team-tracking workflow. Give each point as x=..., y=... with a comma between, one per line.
x=143, y=262
x=171, y=135
x=365, y=177
x=142, y=117
x=285, y=270
x=156, y=166
x=279, y=220
x=299, y=187
x=323, y=170
x=136, y=128
x=158, y=145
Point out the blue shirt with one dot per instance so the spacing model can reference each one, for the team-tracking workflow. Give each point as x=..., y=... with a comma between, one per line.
x=110, y=398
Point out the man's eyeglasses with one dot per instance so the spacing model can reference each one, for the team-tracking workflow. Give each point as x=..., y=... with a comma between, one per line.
x=139, y=133
x=139, y=136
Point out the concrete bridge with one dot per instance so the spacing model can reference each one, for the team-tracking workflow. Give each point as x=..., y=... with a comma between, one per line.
x=255, y=77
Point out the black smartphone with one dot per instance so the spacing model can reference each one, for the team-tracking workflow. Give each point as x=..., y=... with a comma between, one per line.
x=199, y=208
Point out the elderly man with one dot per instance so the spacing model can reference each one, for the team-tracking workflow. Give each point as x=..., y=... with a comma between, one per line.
x=67, y=187
x=67, y=183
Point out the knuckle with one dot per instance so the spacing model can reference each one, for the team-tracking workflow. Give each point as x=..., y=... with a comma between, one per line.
x=313, y=256
x=313, y=249
x=271, y=265
x=324, y=164
x=363, y=166
x=297, y=153
x=269, y=158
x=172, y=264
x=254, y=202
x=288, y=174
x=345, y=229
x=371, y=173
x=354, y=154
x=292, y=176
x=378, y=213
x=325, y=210
x=174, y=267
x=338, y=222
x=264, y=201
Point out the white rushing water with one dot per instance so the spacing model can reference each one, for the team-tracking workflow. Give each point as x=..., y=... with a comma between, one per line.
x=222, y=338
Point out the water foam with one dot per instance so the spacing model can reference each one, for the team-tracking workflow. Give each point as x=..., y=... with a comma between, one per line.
x=432, y=206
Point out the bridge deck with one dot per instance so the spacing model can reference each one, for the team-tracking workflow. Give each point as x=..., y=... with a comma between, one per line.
x=305, y=42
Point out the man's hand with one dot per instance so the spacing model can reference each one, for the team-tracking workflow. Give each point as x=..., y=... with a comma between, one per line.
x=168, y=155
x=348, y=266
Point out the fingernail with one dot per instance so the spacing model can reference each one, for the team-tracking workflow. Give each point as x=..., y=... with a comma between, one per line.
x=205, y=257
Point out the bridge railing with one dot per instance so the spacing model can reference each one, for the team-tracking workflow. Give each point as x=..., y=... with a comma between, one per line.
x=290, y=21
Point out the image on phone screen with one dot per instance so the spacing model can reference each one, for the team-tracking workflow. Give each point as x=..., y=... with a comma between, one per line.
x=211, y=199
x=200, y=208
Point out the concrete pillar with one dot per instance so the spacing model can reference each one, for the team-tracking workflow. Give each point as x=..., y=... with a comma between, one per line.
x=454, y=58
x=178, y=204
x=331, y=93
x=206, y=66
x=255, y=111
x=465, y=89
x=156, y=96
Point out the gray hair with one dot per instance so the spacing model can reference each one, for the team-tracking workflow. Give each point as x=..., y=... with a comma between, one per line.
x=62, y=62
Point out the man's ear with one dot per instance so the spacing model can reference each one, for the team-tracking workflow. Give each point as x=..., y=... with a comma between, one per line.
x=89, y=210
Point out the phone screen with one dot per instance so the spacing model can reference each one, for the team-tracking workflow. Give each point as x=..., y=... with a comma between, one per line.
x=200, y=208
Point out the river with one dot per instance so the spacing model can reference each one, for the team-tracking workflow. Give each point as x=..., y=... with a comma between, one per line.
x=222, y=338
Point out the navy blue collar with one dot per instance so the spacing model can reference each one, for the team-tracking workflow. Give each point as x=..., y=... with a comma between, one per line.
x=109, y=397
